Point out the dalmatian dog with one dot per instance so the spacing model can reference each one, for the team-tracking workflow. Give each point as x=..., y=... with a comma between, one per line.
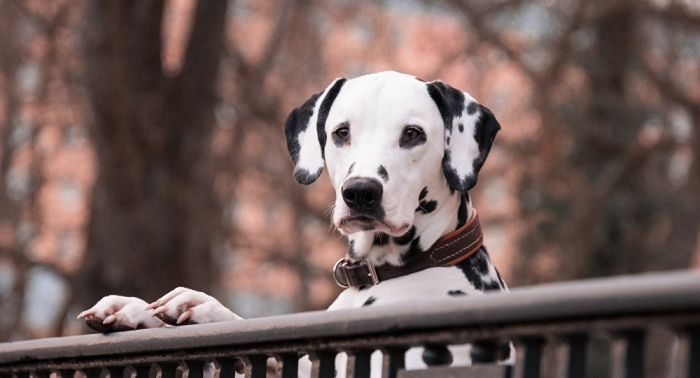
x=402, y=155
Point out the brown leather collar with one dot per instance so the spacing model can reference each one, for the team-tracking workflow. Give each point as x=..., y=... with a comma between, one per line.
x=447, y=251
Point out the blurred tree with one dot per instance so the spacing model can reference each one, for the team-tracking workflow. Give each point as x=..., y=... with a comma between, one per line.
x=153, y=204
x=596, y=163
x=609, y=184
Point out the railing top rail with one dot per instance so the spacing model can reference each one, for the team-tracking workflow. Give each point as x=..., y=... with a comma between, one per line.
x=664, y=293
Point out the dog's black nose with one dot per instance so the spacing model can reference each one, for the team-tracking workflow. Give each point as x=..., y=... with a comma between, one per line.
x=361, y=193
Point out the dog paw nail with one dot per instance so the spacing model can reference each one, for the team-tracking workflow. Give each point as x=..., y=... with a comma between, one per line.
x=109, y=320
x=185, y=315
x=86, y=313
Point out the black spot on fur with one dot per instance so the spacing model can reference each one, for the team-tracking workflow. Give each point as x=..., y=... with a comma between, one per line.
x=304, y=177
x=453, y=179
x=426, y=207
x=485, y=133
x=450, y=103
x=351, y=249
x=500, y=280
x=350, y=170
x=461, y=128
x=492, y=286
x=462, y=211
x=298, y=121
x=407, y=237
x=448, y=141
x=456, y=292
x=476, y=268
x=413, y=251
x=383, y=173
x=472, y=108
x=369, y=301
x=423, y=193
x=380, y=239
x=323, y=113
x=505, y=351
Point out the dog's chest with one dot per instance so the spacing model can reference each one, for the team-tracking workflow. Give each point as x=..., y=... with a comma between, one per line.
x=431, y=283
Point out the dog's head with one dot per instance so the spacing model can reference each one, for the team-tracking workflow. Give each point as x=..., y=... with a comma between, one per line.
x=384, y=138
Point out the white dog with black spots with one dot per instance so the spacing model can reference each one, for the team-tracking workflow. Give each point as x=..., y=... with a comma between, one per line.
x=402, y=155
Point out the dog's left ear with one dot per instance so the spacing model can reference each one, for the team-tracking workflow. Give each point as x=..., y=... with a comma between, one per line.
x=470, y=129
x=305, y=130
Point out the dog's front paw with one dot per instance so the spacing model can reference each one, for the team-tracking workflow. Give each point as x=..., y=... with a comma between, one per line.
x=115, y=313
x=187, y=306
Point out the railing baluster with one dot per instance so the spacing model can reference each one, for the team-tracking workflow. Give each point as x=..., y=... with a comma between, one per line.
x=195, y=369
x=290, y=365
x=532, y=357
x=397, y=359
x=168, y=369
x=484, y=351
x=258, y=365
x=576, y=364
x=230, y=366
x=634, y=356
x=693, y=352
x=116, y=371
x=628, y=354
x=325, y=364
x=142, y=371
x=362, y=359
x=437, y=355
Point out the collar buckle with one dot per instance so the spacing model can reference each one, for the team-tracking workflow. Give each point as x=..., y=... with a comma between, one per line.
x=354, y=274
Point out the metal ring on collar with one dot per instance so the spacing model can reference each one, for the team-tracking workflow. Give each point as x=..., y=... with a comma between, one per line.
x=339, y=274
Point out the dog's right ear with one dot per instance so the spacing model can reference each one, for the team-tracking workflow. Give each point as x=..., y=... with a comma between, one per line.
x=305, y=130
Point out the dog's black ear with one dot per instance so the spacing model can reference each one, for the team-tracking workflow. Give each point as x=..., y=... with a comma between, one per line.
x=305, y=130
x=470, y=129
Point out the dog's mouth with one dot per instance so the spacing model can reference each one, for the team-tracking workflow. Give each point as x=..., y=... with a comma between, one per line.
x=360, y=222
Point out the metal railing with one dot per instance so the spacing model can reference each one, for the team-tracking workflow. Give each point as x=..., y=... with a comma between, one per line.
x=575, y=329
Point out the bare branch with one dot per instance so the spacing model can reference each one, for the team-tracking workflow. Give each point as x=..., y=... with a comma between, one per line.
x=562, y=46
x=478, y=23
x=675, y=13
x=273, y=44
x=668, y=88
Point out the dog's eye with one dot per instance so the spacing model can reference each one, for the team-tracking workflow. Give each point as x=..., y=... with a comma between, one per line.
x=412, y=136
x=411, y=133
x=342, y=133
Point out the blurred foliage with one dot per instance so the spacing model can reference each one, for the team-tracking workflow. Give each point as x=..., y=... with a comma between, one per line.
x=141, y=145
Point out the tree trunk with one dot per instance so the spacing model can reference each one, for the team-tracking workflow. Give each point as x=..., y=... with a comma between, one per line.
x=155, y=216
